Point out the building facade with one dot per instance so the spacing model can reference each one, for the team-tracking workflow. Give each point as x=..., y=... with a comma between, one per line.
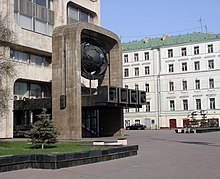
x=32, y=23
x=180, y=74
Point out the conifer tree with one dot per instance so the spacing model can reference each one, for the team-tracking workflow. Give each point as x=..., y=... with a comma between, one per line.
x=43, y=131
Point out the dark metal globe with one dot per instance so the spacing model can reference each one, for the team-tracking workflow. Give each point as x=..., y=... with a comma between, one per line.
x=93, y=60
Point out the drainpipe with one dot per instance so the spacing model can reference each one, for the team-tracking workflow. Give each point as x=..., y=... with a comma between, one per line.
x=158, y=89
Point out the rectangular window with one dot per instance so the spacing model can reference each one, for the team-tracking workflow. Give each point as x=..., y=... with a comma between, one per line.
x=136, y=71
x=83, y=16
x=20, y=88
x=211, y=83
x=170, y=53
x=76, y=14
x=34, y=15
x=136, y=57
x=184, y=66
x=136, y=87
x=198, y=104
x=146, y=56
x=147, y=87
x=185, y=104
x=171, y=86
x=125, y=58
x=148, y=106
x=183, y=50
x=172, y=105
x=137, y=121
x=210, y=48
x=35, y=91
x=126, y=72
x=184, y=84
x=197, y=65
x=147, y=70
x=196, y=50
x=212, y=103
x=197, y=84
x=171, y=68
x=211, y=64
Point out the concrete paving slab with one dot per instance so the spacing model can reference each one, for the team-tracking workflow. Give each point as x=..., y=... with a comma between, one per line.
x=162, y=154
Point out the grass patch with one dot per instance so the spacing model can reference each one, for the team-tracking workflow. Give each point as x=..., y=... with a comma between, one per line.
x=23, y=147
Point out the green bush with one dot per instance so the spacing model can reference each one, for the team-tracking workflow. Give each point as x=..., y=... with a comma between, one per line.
x=43, y=131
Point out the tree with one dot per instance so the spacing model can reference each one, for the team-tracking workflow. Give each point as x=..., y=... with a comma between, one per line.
x=43, y=131
x=7, y=69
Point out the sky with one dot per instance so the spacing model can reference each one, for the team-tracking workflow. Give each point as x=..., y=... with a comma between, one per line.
x=137, y=19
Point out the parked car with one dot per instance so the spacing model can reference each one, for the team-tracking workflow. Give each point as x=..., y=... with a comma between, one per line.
x=136, y=127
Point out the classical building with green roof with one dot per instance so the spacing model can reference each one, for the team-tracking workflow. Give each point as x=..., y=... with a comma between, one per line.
x=180, y=74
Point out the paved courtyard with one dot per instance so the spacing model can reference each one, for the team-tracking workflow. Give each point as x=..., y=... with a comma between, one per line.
x=162, y=154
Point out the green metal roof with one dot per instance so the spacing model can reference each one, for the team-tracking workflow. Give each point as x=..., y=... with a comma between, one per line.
x=170, y=40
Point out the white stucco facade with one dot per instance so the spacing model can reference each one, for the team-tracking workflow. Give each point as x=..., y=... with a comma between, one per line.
x=176, y=80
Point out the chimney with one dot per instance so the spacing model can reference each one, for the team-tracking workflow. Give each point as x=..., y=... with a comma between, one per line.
x=146, y=39
x=164, y=37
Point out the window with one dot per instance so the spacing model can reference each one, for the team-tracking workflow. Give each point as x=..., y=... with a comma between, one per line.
x=172, y=105
x=31, y=90
x=198, y=104
x=136, y=71
x=30, y=58
x=76, y=14
x=183, y=50
x=197, y=65
x=126, y=72
x=196, y=50
x=147, y=70
x=185, y=104
x=125, y=58
x=211, y=83
x=36, y=91
x=184, y=84
x=197, y=84
x=147, y=87
x=184, y=66
x=35, y=15
x=146, y=56
x=126, y=86
x=171, y=86
x=210, y=48
x=212, y=103
x=20, y=88
x=211, y=64
x=148, y=106
x=170, y=53
x=137, y=121
x=136, y=57
x=136, y=87
x=170, y=67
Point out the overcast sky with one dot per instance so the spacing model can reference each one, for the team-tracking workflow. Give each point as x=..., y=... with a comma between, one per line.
x=136, y=19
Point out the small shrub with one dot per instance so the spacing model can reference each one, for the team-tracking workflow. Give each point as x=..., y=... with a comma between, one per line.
x=43, y=131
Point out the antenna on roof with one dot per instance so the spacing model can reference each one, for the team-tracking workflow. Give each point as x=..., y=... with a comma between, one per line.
x=200, y=21
x=206, y=29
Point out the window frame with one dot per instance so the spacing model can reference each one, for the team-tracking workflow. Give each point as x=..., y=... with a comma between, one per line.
x=210, y=48
x=170, y=53
x=196, y=50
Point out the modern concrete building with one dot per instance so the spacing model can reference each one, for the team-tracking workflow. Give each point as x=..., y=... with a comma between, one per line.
x=32, y=22
x=180, y=74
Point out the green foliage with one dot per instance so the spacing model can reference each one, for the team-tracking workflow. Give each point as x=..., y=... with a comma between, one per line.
x=43, y=131
x=23, y=147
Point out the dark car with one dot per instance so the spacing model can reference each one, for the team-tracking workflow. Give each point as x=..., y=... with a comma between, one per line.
x=136, y=127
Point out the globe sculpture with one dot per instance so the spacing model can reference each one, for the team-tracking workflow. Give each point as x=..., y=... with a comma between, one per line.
x=93, y=60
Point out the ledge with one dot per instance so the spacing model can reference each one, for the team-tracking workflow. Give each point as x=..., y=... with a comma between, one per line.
x=63, y=160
